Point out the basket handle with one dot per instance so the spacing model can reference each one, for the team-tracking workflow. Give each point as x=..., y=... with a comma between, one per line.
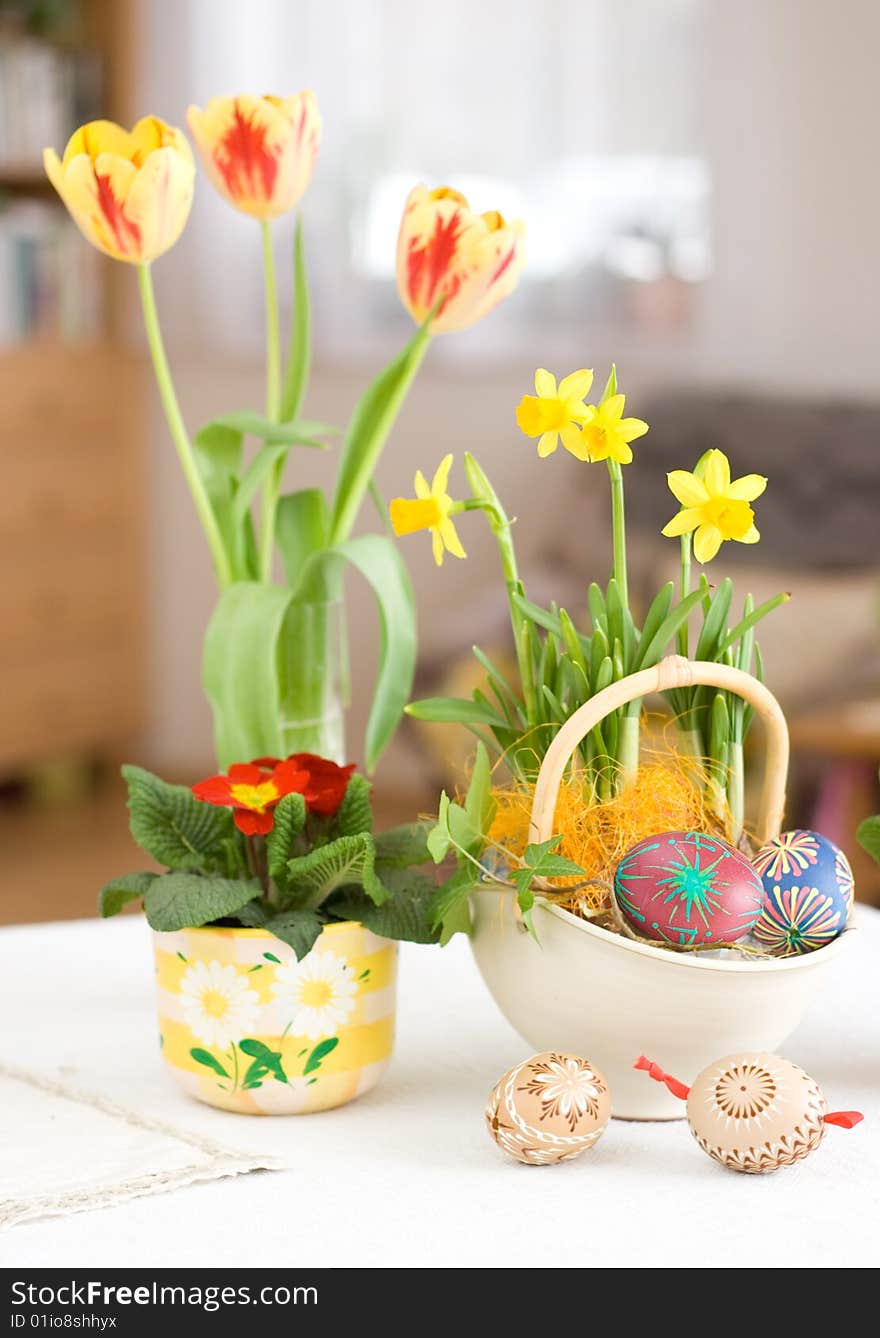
x=673, y=672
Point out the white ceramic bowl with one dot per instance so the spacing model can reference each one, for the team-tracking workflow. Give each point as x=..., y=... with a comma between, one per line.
x=593, y=993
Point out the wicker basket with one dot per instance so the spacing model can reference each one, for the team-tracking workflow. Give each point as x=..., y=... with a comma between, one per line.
x=595, y=993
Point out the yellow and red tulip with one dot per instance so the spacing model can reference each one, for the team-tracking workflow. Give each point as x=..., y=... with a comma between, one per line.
x=464, y=261
x=129, y=192
x=259, y=152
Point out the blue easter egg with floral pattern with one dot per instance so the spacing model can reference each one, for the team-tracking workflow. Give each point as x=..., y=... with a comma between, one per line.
x=808, y=892
x=688, y=889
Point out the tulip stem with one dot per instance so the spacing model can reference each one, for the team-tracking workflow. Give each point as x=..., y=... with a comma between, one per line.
x=177, y=428
x=273, y=402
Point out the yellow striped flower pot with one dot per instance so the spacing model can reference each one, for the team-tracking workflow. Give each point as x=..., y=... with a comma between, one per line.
x=246, y=1027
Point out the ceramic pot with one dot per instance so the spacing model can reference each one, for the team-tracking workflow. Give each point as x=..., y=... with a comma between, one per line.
x=245, y=1027
x=586, y=991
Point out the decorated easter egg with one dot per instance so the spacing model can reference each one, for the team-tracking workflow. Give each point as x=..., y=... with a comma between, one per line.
x=756, y=1112
x=808, y=892
x=550, y=1108
x=688, y=888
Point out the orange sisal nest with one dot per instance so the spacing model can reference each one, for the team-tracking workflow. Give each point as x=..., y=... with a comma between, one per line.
x=663, y=797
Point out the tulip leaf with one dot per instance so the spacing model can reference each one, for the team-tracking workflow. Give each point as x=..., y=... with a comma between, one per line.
x=371, y=422
x=299, y=353
x=250, y=423
x=377, y=559
x=240, y=670
x=302, y=522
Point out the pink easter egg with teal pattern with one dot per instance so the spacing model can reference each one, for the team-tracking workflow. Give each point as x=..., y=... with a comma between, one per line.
x=808, y=893
x=688, y=888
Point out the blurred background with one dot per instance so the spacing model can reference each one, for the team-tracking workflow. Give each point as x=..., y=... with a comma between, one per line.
x=700, y=187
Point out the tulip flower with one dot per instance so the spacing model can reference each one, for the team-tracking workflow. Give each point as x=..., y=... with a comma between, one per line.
x=430, y=509
x=462, y=263
x=258, y=152
x=129, y=192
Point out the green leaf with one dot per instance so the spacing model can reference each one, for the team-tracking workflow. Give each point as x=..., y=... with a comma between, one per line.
x=169, y=823
x=320, y=1052
x=120, y=891
x=239, y=672
x=753, y=619
x=262, y=463
x=479, y=805
x=610, y=385
x=185, y=901
x=714, y=623
x=455, y=827
x=298, y=928
x=651, y=650
x=657, y=613
x=377, y=559
x=402, y=847
x=206, y=1058
x=355, y=813
x=406, y=915
x=368, y=429
x=868, y=837
x=290, y=819
x=542, y=861
x=440, y=837
x=454, y=710
x=302, y=524
x=250, y=423
x=347, y=861
x=296, y=372
x=450, y=913
x=253, y=915
x=218, y=450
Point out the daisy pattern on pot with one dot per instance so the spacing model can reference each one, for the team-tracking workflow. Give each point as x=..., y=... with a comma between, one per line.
x=321, y=990
x=217, y=1004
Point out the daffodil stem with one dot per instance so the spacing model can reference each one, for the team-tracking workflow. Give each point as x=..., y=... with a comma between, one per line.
x=273, y=402
x=177, y=428
x=735, y=789
x=618, y=530
x=683, y=638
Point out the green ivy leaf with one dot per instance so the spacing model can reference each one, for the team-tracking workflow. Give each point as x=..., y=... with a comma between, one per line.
x=320, y=1052
x=206, y=1058
x=347, y=861
x=169, y=823
x=868, y=836
x=355, y=813
x=120, y=891
x=290, y=819
x=450, y=912
x=185, y=900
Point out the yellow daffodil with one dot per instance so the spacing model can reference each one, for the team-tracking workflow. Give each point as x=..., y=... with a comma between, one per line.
x=259, y=152
x=449, y=255
x=129, y=192
x=556, y=411
x=430, y=509
x=606, y=434
x=714, y=506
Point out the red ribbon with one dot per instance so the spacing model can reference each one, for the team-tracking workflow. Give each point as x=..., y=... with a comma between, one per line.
x=846, y=1119
x=654, y=1070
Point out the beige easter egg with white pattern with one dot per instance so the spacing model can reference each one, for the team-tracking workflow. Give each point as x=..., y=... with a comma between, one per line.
x=756, y=1112
x=548, y=1109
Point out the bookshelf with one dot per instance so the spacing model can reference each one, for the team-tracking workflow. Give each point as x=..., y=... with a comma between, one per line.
x=71, y=410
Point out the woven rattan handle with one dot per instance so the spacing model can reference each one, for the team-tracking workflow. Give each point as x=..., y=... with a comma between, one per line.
x=673, y=672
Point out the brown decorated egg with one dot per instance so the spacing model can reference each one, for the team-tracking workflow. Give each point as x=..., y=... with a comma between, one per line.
x=756, y=1112
x=550, y=1108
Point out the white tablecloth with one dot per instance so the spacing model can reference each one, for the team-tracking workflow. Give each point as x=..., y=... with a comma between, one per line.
x=407, y=1175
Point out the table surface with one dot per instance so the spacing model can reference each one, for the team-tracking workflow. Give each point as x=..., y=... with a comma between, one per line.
x=407, y=1176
